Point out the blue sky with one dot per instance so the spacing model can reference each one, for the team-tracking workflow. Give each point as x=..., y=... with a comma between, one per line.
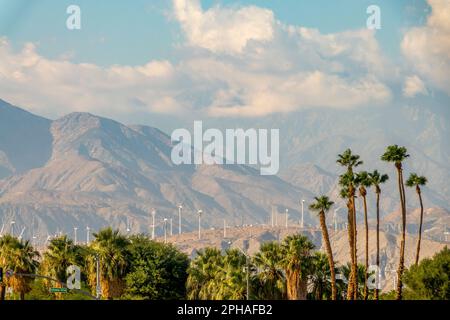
x=133, y=32
x=221, y=58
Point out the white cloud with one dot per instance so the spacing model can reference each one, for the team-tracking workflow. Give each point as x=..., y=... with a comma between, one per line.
x=238, y=61
x=414, y=86
x=427, y=48
x=222, y=29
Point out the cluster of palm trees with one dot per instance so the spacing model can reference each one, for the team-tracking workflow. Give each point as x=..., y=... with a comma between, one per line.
x=109, y=246
x=351, y=183
x=287, y=270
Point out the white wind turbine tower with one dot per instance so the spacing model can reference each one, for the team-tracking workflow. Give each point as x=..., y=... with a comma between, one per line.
x=128, y=225
x=21, y=233
x=1, y=230
x=302, y=222
x=75, y=229
x=153, y=223
x=180, y=208
x=88, y=230
x=287, y=217
x=335, y=218
x=165, y=230
x=12, y=228
x=200, y=212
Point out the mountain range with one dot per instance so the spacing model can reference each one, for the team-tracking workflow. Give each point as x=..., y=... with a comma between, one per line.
x=83, y=170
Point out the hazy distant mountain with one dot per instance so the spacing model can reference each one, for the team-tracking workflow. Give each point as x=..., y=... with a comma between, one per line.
x=84, y=170
x=101, y=173
x=25, y=140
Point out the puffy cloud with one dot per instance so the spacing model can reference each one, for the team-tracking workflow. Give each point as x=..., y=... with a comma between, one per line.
x=414, y=86
x=238, y=61
x=427, y=48
x=221, y=29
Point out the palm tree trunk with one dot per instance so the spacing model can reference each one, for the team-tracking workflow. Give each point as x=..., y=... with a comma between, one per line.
x=378, y=243
x=401, y=264
x=326, y=239
x=22, y=295
x=2, y=292
x=420, y=225
x=355, y=253
x=366, y=275
x=350, y=285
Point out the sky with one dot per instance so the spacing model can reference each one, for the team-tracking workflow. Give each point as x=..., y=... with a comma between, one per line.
x=221, y=58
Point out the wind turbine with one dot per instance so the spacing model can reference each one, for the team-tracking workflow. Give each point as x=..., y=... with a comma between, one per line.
x=153, y=223
x=302, y=225
x=200, y=212
x=287, y=217
x=75, y=229
x=21, y=233
x=165, y=230
x=128, y=225
x=87, y=234
x=12, y=228
x=335, y=218
x=224, y=228
x=180, y=208
x=1, y=230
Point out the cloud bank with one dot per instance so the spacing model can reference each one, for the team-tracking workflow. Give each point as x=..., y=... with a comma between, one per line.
x=236, y=62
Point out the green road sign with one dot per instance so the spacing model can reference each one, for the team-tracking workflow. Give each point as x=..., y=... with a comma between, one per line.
x=58, y=290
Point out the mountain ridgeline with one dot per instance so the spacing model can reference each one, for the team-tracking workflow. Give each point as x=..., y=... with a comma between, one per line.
x=83, y=170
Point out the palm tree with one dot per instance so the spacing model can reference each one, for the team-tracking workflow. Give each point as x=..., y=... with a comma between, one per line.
x=112, y=250
x=322, y=205
x=397, y=155
x=416, y=181
x=365, y=182
x=296, y=250
x=232, y=282
x=61, y=253
x=271, y=281
x=351, y=161
x=377, y=179
x=319, y=284
x=202, y=274
x=349, y=185
x=20, y=257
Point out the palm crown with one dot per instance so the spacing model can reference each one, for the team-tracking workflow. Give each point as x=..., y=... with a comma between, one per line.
x=377, y=178
x=349, y=160
x=363, y=179
x=395, y=154
x=321, y=204
x=415, y=180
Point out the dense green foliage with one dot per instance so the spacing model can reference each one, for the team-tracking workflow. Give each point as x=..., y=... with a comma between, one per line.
x=429, y=280
x=157, y=271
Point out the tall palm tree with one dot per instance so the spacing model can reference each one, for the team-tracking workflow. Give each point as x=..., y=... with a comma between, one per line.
x=417, y=181
x=112, y=250
x=350, y=161
x=349, y=184
x=61, y=253
x=377, y=180
x=271, y=282
x=364, y=182
x=296, y=264
x=397, y=155
x=322, y=205
x=20, y=257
